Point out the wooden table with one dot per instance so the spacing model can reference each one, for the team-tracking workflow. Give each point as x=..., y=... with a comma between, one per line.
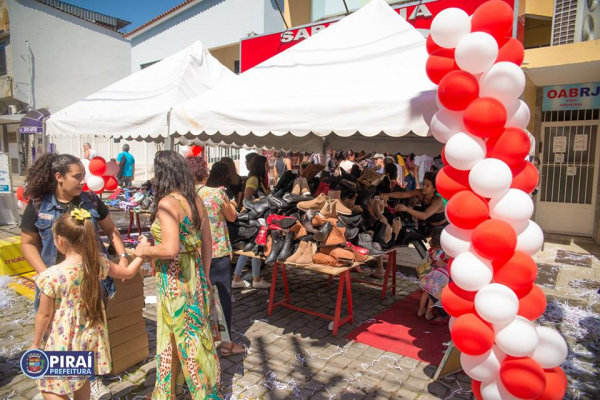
x=344, y=283
x=136, y=215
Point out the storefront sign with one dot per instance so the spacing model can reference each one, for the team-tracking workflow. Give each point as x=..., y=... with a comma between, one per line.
x=256, y=49
x=582, y=96
x=559, y=144
x=4, y=174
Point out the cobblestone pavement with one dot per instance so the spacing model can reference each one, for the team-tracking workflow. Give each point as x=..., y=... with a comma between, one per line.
x=292, y=355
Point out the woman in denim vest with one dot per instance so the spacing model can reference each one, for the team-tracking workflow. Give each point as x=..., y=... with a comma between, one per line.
x=54, y=183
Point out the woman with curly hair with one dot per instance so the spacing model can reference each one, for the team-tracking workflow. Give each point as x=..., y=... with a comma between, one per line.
x=54, y=184
x=220, y=211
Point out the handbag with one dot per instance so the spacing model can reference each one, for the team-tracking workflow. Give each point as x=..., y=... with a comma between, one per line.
x=217, y=317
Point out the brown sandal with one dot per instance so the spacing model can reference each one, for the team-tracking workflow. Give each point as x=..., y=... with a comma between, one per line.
x=228, y=350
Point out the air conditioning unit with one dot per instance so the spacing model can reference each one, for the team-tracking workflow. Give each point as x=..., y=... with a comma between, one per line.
x=587, y=25
x=12, y=109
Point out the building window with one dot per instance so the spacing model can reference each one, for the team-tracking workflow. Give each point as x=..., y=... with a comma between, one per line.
x=3, y=70
x=236, y=66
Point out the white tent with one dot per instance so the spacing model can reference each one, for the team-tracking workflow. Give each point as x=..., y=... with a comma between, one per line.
x=361, y=77
x=136, y=107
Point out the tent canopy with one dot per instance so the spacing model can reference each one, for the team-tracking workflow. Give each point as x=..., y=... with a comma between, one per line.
x=361, y=77
x=136, y=107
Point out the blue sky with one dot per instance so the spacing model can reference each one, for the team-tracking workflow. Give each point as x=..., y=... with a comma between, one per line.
x=136, y=11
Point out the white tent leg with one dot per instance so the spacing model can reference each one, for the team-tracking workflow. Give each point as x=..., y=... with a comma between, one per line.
x=169, y=144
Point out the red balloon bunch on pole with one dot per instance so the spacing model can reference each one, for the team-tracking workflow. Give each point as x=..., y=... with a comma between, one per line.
x=22, y=199
x=487, y=181
x=100, y=175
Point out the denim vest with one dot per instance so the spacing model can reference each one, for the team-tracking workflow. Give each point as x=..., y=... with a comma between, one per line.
x=50, y=209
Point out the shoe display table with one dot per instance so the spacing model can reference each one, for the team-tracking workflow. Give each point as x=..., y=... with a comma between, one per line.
x=344, y=288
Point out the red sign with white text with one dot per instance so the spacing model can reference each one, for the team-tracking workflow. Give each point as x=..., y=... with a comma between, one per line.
x=255, y=50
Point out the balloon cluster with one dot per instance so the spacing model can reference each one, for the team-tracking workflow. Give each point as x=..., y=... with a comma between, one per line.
x=100, y=175
x=22, y=200
x=492, y=298
x=190, y=151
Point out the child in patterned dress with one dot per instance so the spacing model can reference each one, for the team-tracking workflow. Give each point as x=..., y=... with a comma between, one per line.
x=435, y=281
x=71, y=316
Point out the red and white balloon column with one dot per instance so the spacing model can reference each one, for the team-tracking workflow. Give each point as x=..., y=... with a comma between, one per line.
x=100, y=175
x=492, y=299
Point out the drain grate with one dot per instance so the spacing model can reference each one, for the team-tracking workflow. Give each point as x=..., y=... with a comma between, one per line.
x=573, y=258
x=547, y=275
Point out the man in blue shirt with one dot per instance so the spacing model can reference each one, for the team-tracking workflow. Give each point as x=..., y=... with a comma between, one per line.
x=126, y=167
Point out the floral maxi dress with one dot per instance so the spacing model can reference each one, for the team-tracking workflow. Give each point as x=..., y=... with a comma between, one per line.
x=183, y=312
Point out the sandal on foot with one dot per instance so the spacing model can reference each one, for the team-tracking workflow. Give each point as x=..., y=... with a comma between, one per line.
x=229, y=349
x=420, y=313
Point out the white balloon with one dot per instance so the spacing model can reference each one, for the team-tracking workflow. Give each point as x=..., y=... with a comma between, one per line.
x=496, y=303
x=21, y=205
x=518, y=114
x=495, y=390
x=551, y=350
x=485, y=367
x=490, y=177
x=505, y=82
x=112, y=168
x=471, y=272
x=463, y=151
x=530, y=237
x=514, y=207
x=86, y=165
x=185, y=150
x=476, y=52
x=438, y=103
x=449, y=27
x=446, y=123
x=451, y=322
x=94, y=182
x=455, y=241
x=518, y=338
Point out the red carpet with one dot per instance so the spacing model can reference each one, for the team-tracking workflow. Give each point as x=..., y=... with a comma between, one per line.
x=398, y=329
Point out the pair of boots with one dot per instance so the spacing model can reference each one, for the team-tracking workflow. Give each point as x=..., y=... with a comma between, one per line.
x=304, y=254
x=327, y=205
x=281, y=246
x=301, y=187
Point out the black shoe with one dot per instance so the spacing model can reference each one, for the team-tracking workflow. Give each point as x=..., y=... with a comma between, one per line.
x=276, y=246
x=350, y=233
x=253, y=223
x=259, y=206
x=247, y=216
x=351, y=222
x=276, y=202
x=238, y=246
x=286, y=250
x=365, y=240
x=247, y=233
x=379, y=234
x=306, y=221
x=249, y=246
x=323, y=234
x=296, y=198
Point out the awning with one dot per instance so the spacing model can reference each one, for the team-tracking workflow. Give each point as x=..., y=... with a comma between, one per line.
x=362, y=77
x=33, y=121
x=136, y=107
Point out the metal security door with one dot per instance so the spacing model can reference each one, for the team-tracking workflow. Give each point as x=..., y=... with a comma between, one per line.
x=569, y=177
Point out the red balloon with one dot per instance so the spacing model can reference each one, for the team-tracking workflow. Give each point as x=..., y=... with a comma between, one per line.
x=485, y=117
x=110, y=182
x=431, y=45
x=494, y=239
x=450, y=181
x=439, y=64
x=99, y=191
x=511, y=51
x=457, y=301
x=443, y=155
x=457, y=90
x=512, y=146
x=532, y=303
x=523, y=377
x=472, y=335
x=97, y=166
x=466, y=210
x=449, y=265
x=476, y=388
x=196, y=150
x=85, y=188
x=21, y=195
x=556, y=384
x=493, y=17
x=517, y=272
x=525, y=177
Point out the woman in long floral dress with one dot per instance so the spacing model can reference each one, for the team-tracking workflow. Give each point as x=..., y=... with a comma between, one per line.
x=182, y=260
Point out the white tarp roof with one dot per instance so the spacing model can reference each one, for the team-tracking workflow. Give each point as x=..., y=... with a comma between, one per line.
x=364, y=75
x=137, y=106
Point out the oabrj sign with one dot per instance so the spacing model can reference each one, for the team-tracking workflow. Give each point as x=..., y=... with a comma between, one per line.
x=582, y=96
x=254, y=50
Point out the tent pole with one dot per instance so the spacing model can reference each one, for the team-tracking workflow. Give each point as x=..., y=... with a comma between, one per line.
x=281, y=12
x=346, y=5
x=169, y=139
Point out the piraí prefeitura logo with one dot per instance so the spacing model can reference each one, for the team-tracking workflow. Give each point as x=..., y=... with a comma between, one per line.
x=66, y=364
x=34, y=363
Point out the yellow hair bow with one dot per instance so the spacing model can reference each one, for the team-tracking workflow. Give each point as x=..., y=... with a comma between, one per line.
x=80, y=214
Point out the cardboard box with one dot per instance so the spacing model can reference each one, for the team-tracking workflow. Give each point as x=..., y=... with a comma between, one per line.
x=127, y=334
x=130, y=347
x=12, y=261
x=125, y=307
x=127, y=292
x=123, y=321
x=124, y=283
x=129, y=361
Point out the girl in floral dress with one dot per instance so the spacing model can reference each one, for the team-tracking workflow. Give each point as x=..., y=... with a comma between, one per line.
x=71, y=313
x=435, y=281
